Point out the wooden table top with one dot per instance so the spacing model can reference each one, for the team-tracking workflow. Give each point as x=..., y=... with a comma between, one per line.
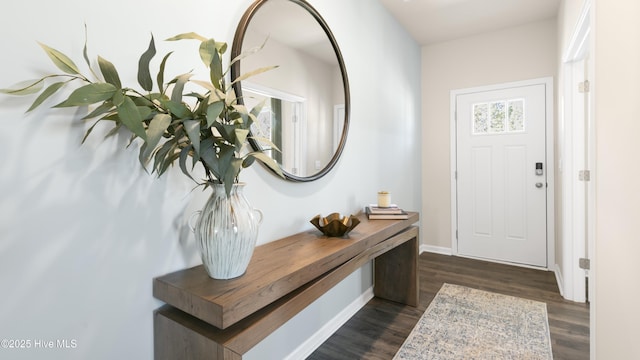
x=276, y=269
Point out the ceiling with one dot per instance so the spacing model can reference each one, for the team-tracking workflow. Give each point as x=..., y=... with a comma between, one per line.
x=432, y=21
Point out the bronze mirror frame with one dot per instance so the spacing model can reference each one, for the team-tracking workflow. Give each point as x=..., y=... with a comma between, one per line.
x=236, y=50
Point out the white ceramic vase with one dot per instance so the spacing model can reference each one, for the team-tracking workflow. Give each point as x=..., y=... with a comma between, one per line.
x=226, y=231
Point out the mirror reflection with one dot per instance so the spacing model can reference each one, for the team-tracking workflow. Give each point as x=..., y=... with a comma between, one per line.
x=306, y=97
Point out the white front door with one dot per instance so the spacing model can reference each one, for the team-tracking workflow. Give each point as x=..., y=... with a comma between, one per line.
x=501, y=174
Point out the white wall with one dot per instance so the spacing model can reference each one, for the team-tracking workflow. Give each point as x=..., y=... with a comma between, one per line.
x=84, y=231
x=617, y=72
x=520, y=53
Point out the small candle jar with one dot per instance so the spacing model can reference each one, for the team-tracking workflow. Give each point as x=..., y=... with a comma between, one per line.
x=384, y=199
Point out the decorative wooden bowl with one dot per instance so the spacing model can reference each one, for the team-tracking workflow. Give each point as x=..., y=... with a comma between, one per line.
x=334, y=225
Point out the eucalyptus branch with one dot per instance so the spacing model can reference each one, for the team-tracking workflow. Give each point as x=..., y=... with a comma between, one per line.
x=155, y=105
x=84, y=52
x=210, y=132
x=33, y=86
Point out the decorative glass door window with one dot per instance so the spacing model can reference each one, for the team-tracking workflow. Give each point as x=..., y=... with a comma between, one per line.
x=498, y=117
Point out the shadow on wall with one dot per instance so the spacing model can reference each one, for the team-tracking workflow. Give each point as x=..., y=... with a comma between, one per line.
x=82, y=239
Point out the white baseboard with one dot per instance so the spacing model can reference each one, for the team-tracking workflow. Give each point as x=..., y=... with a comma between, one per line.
x=309, y=346
x=559, y=280
x=436, y=249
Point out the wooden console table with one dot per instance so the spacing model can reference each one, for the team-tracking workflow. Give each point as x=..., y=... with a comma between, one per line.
x=222, y=319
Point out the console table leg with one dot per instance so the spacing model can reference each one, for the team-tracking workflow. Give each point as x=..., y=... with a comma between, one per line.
x=396, y=273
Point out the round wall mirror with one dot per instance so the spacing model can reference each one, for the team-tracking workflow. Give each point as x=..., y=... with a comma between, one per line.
x=306, y=98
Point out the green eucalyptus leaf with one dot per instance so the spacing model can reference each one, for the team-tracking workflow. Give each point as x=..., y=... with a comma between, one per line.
x=225, y=158
x=146, y=101
x=204, y=84
x=208, y=156
x=231, y=174
x=50, y=90
x=160, y=78
x=255, y=111
x=227, y=131
x=89, y=94
x=219, y=95
x=178, y=88
x=202, y=105
x=144, y=75
x=230, y=97
x=215, y=71
x=251, y=119
x=130, y=116
x=161, y=159
x=109, y=72
x=112, y=116
x=24, y=87
x=248, y=161
x=156, y=129
x=194, y=156
x=222, y=47
x=213, y=111
x=62, y=61
x=84, y=48
x=145, y=112
x=169, y=159
x=242, y=116
x=208, y=50
x=198, y=96
x=163, y=163
x=184, y=154
x=85, y=52
x=249, y=52
x=268, y=161
x=118, y=98
x=192, y=127
x=253, y=73
x=160, y=154
x=241, y=137
x=190, y=35
x=178, y=109
x=264, y=142
x=143, y=157
x=103, y=108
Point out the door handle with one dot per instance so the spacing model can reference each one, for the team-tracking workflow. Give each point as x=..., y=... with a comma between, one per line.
x=539, y=185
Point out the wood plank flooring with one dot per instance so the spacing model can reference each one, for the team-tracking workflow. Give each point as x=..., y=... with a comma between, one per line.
x=378, y=330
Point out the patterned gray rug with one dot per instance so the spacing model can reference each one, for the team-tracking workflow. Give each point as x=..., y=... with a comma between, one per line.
x=465, y=323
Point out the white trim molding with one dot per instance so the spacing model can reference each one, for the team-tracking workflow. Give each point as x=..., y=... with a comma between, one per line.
x=436, y=249
x=559, y=280
x=576, y=154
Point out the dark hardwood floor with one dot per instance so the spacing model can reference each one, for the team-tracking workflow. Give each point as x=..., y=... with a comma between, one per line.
x=378, y=330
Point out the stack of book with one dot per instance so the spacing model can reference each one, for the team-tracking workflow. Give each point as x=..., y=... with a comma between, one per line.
x=393, y=212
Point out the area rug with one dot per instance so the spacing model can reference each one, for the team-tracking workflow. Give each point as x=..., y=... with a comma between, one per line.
x=465, y=323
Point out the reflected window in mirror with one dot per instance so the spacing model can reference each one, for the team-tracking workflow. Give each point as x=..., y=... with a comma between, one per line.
x=282, y=121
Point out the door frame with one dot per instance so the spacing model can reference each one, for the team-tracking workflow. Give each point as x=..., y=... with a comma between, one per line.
x=549, y=159
x=578, y=154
